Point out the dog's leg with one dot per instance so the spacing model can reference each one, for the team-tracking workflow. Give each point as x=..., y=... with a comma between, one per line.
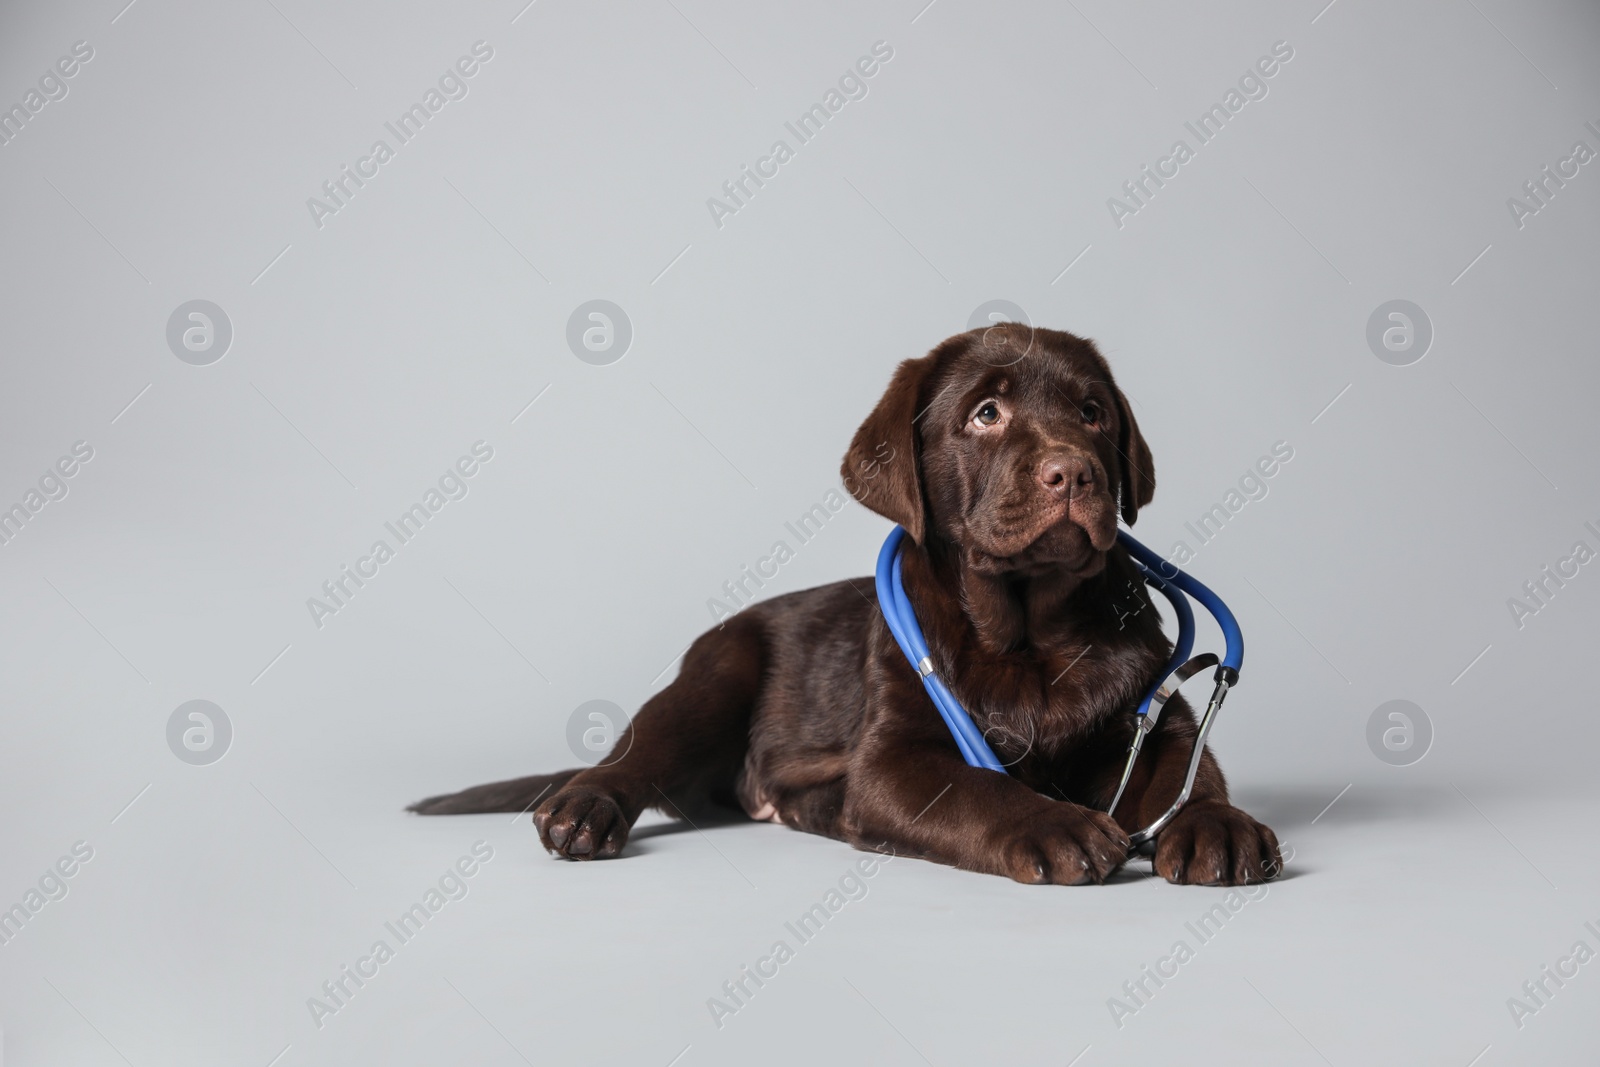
x=910, y=793
x=929, y=803
x=686, y=744
x=1209, y=841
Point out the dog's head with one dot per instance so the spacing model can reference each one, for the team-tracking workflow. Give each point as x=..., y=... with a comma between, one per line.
x=1012, y=444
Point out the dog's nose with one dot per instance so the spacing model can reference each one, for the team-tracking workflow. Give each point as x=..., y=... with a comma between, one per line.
x=1067, y=475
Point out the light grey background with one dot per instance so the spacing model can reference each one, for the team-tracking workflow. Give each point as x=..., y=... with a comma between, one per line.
x=369, y=354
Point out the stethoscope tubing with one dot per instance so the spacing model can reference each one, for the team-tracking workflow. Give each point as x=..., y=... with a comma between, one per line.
x=902, y=622
x=1155, y=566
x=1174, y=583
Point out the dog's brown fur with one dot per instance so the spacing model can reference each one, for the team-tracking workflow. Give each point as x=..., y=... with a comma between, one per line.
x=803, y=710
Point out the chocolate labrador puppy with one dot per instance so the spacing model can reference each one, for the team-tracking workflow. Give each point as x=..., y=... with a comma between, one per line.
x=1007, y=454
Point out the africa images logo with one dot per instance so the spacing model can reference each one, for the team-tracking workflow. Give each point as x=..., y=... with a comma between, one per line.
x=453, y=85
x=852, y=85
x=1252, y=86
x=453, y=485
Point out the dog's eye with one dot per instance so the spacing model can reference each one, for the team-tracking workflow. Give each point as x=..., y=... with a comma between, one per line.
x=1091, y=413
x=987, y=415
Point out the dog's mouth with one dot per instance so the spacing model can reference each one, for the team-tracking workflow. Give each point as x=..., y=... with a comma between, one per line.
x=1074, y=535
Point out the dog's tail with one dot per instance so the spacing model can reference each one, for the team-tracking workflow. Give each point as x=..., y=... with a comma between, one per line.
x=515, y=794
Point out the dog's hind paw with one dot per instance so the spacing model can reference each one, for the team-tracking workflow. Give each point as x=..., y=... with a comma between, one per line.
x=582, y=823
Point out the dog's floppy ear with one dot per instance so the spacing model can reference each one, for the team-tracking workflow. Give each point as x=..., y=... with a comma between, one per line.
x=1138, y=469
x=881, y=469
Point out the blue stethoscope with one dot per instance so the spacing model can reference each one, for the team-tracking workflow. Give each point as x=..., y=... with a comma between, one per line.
x=1171, y=581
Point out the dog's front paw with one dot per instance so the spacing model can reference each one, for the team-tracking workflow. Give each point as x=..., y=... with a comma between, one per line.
x=1210, y=843
x=1064, y=844
x=582, y=823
